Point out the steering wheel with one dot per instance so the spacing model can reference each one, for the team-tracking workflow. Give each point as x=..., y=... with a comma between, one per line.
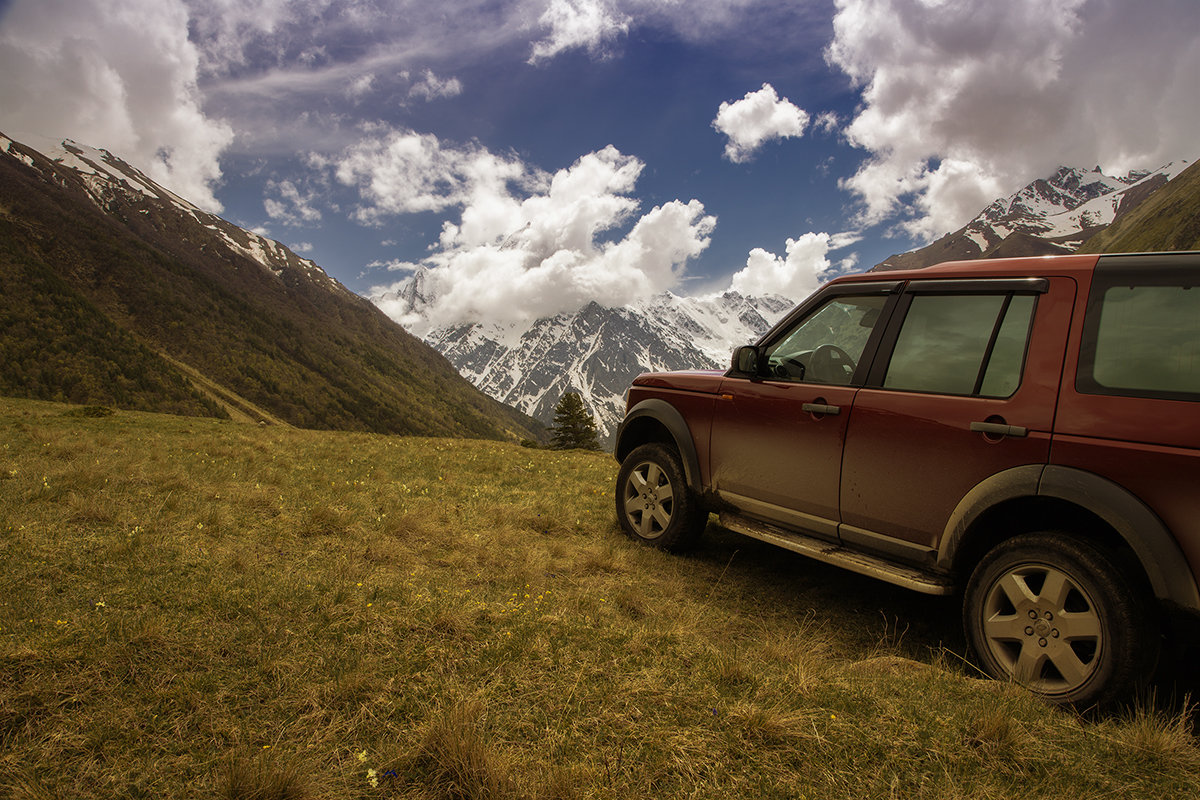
x=790, y=368
x=831, y=364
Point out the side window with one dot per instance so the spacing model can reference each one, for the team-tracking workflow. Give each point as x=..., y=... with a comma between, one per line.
x=826, y=346
x=972, y=345
x=1142, y=335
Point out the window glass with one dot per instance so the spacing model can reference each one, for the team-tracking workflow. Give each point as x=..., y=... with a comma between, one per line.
x=951, y=344
x=826, y=346
x=1147, y=342
x=1003, y=374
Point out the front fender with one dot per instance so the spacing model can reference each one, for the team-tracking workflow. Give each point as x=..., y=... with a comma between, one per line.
x=644, y=422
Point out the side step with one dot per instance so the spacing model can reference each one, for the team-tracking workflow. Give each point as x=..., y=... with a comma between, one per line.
x=830, y=553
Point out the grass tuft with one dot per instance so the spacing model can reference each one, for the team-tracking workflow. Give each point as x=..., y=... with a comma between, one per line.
x=456, y=761
x=262, y=777
x=1159, y=739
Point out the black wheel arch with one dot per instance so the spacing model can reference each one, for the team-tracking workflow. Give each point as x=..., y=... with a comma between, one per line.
x=656, y=420
x=1051, y=496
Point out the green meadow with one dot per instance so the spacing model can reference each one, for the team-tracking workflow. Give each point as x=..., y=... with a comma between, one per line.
x=200, y=608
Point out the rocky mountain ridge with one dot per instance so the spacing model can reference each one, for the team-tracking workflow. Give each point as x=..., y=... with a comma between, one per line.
x=596, y=351
x=1049, y=216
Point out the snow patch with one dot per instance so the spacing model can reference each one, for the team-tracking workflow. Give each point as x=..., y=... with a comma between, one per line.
x=7, y=145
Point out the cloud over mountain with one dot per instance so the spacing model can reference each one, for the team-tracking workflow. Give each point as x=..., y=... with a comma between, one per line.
x=459, y=131
x=964, y=102
x=526, y=244
x=122, y=75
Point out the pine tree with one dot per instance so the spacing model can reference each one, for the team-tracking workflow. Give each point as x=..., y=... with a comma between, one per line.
x=573, y=426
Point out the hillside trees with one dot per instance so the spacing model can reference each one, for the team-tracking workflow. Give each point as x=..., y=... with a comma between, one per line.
x=574, y=426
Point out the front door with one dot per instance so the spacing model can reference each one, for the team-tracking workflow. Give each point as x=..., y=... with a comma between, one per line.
x=776, y=445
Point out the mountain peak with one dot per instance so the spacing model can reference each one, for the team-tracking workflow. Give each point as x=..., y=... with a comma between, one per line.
x=596, y=350
x=1050, y=215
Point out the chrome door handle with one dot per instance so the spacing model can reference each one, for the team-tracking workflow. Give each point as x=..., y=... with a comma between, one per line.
x=821, y=408
x=999, y=429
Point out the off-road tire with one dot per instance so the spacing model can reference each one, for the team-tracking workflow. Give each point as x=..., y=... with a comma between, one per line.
x=1059, y=615
x=654, y=503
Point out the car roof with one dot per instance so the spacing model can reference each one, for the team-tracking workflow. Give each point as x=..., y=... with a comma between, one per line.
x=1035, y=266
x=1075, y=266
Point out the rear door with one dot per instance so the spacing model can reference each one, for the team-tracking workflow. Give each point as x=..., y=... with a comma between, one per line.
x=964, y=388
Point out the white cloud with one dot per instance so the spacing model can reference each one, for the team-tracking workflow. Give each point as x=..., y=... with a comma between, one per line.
x=526, y=244
x=431, y=87
x=362, y=85
x=301, y=247
x=574, y=24
x=827, y=122
x=965, y=102
x=394, y=265
x=804, y=268
x=404, y=172
x=757, y=118
x=233, y=29
x=121, y=76
x=293, y=207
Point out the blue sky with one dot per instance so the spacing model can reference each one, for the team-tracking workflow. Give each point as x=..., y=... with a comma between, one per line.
x=536, y=154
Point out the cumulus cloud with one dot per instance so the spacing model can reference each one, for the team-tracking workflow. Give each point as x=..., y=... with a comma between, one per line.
x=526, y=244
x=404, y=172
x=121, y=76
x=966, y=102
x=574, y=24
x=757, y=118
x=291, y=206
x=804, y=267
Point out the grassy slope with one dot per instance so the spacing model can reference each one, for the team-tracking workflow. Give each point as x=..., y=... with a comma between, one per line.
x=191, y=607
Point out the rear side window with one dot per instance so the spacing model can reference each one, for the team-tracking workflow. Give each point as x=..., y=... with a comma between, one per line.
x=1142, y=332
x=971, y=345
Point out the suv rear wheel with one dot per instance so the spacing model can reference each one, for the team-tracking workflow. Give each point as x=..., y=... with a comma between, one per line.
x=654, y=503
x=1059, y=616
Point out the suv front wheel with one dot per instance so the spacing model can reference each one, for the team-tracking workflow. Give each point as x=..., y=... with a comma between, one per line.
x=1057, y=615
x=654, y=503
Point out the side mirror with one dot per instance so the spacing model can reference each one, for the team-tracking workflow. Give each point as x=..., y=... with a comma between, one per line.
x=746, y=360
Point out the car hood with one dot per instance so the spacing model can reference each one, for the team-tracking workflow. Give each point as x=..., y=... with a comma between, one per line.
x=708, y=380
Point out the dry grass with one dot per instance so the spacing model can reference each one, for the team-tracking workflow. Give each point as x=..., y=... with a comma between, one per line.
x=194, y=608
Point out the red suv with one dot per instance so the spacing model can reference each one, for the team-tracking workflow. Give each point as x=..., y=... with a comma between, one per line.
x=1023, y=431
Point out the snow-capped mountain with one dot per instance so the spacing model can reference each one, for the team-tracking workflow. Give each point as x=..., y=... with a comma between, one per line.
x=1051, y=215
x=595, y=351
x=111, y=182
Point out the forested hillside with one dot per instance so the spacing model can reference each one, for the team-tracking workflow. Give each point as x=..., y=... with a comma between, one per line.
x=108, y=282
